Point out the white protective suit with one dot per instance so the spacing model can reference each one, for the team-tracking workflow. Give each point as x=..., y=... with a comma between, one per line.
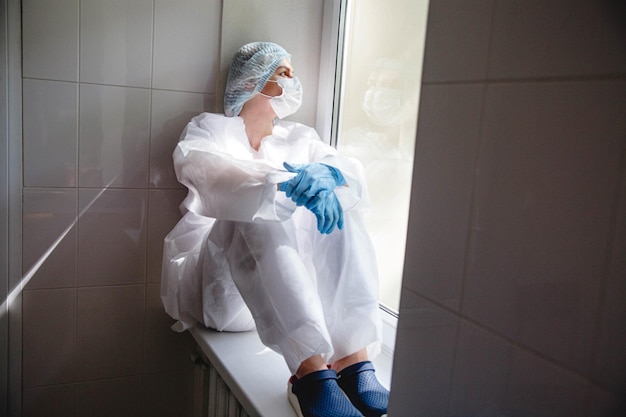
x=309, y=293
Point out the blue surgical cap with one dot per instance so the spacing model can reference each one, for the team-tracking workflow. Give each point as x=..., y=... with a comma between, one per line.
x=252, y=66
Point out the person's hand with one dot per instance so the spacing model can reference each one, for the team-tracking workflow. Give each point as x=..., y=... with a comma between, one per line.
x=310, y=180
x=327, y=210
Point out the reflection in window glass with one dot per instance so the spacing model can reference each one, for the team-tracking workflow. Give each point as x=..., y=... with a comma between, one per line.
x=381, y=76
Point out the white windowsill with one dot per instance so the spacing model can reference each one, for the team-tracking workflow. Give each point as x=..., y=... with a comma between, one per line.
x=258, y=376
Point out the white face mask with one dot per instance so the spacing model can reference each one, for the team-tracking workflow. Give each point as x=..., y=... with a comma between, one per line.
x=384, y=106
x=290, y=100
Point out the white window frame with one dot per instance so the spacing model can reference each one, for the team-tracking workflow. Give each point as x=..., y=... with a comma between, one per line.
x=330, y=64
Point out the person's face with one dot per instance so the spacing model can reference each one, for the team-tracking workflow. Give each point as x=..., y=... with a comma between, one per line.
x=284, y=70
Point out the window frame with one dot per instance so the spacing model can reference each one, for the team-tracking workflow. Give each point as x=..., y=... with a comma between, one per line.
x=331, y=63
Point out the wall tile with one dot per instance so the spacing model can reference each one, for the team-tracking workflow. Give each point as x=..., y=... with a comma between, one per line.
x=50, y=39
x=49, y=337
x=116, y=42
x=50, y=401
x=425, y=342
x=448, y=132
x=547, y=176
x=119, y=397
x=168, y=394
x=50, y=112
x=114, y=136
x=109, y=336
x=163, y=216
x=49, y=236
x=164, y=349
x=171, y=111
x=610, y=360
x=558, y=38
x=112, y=237
x=493, y=378
x=186, y=60
x=457, y=40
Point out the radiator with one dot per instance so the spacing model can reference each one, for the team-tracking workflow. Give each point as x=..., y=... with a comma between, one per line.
x=212, y=397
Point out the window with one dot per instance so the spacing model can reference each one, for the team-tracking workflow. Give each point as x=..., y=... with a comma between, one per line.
x=380, y=46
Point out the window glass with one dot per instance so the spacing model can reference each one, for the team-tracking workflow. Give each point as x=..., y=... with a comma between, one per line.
x=377, y=115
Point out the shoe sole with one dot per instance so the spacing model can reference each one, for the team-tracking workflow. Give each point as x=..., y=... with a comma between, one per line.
x=293, y=399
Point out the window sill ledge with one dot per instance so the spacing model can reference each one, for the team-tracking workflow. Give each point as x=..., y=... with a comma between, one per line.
x=257, y=376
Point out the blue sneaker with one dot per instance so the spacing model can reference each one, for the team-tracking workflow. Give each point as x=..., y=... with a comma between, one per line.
x=360, y=384
x=318, y=395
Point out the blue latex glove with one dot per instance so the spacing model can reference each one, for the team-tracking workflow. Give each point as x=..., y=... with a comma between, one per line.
x=310, y=180
x=327, y=210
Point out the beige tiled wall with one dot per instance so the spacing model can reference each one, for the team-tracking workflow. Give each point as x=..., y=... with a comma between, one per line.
x=513, y=293
x=107, y=88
